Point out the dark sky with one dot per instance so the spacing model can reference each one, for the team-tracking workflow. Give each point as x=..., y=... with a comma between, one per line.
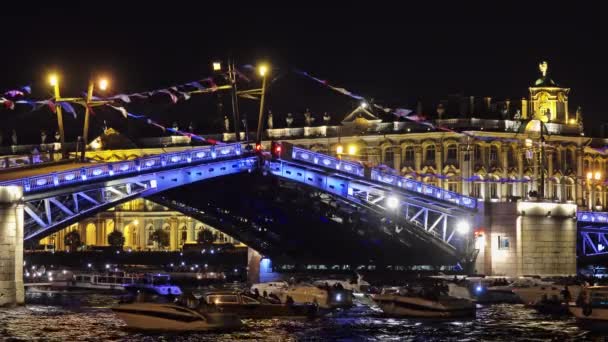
x=393, y=53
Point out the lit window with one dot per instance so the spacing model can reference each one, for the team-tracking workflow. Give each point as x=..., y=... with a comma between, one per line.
x=503, y=243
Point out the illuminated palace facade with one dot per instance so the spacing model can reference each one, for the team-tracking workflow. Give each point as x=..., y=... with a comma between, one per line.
x=489, y=149
x=137, y=220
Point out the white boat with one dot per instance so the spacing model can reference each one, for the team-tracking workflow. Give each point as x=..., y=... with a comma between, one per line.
x=531, y=290
x=269, y=288
x=113, y=281
x=156, y=284
x=358, y=287
x=325, y=298
x=174, y=318
x=591, y=307
x=401, y=305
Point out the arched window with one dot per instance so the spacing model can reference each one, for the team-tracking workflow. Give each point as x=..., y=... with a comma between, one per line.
x=429, y=155
x=453, y=184
x=494, y=187
x=554, y=183
x=569, y=189
x=478, y=154
x=389, y=157
x=512, y=157
x=408, y=156
x=493, y=155
x=452, y=154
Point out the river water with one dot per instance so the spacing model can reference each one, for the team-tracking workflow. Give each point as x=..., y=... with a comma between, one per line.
x=87, y=317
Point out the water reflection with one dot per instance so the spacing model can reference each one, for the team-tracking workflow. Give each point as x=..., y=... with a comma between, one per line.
x=84, y=316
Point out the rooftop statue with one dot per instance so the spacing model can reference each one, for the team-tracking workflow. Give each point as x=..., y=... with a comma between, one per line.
x=544, y=80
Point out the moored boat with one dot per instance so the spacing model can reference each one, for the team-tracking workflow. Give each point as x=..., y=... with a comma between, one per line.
x=591, y=307
x=252, y=306
x=415, y=305
x=174, y=318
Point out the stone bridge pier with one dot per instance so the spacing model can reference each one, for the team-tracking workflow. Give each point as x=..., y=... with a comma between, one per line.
x=11, y=246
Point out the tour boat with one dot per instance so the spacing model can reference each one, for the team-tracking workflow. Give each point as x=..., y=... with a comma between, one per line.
x=111, y=281
x=174, y=318
x=252, y=306
x=403, y=305
x=591, y=308
x=156, y=284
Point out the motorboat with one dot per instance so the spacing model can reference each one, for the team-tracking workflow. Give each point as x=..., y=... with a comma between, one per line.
x=251, y=306
x=591, y=307
x=359, y=287
x=407, y=303
x=527, y=290
x=324, y=297
x=174, y=318
x=269, y=288
x=154, y=284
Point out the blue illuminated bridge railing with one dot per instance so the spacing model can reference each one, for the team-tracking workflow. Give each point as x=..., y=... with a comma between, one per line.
x=592, y=217
x=375, y=174
x=124, y=168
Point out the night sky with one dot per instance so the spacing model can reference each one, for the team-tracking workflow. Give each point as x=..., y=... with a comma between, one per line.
x=394, y=54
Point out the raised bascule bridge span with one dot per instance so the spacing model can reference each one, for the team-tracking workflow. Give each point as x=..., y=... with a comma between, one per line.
x=428, y=219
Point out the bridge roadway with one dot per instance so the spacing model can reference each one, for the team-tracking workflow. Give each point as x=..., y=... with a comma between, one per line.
x=58, y=195
x=38, y=170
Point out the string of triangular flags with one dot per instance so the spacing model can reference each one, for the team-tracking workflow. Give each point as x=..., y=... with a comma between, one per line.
x=401, y=112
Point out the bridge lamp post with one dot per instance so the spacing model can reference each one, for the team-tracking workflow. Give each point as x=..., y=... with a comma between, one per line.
x=263, y=70
x=392, y=202
x=463, y=227
x=103, y=85
x=54, y=82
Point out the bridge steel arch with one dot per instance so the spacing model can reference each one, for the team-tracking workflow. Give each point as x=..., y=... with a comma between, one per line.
x=54, y=201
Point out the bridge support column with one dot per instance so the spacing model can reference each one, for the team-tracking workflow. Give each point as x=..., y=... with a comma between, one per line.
x=253, y=266
x=11, y=246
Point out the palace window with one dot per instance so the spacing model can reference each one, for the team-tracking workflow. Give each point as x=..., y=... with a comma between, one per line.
x=476, y=191
x=493, y=154
x=494, y=188
x=478, y=157
x=503, y=243
x=408, y=156
x=569, y=190
x=429, y=156
x=452, y=153
x=389, y=157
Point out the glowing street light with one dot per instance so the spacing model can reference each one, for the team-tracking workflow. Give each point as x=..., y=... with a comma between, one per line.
x=598, y=175
x=463, y=227
x=103, y=84
x=340, y=149
x=363, y=104
x=392, y=202
x=352, y=150
x=263, y=69
x=53, y=80
x=136, y=222
x=217, y=66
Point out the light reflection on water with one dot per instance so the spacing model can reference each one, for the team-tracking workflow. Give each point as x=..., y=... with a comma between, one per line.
x=81, y=316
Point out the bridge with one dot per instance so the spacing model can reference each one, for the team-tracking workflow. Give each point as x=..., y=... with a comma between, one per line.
x=593, y=233
x=50, y=197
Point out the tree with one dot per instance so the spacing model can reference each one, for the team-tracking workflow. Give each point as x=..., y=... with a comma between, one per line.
x=161, y=238
x=205, y=236
x=116, y=239
x=72, y=240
